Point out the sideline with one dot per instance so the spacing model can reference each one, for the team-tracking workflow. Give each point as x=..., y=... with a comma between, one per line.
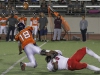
x=11, y=67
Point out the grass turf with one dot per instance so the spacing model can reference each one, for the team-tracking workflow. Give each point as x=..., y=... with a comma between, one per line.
x=9, y=55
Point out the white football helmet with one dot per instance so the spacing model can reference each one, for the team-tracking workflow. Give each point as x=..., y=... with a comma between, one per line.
x=59, y=52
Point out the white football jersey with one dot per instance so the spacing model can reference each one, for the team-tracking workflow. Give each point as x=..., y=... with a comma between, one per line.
x=62, y=63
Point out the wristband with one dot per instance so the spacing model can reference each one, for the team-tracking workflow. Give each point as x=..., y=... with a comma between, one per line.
x=47, y=50
x=54, y=60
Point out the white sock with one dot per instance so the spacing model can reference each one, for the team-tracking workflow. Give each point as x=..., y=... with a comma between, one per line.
x=30, y=64
x=93, y=68
x=91, y=53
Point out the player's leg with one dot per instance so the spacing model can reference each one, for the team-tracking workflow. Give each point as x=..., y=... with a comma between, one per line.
x=59, y=34
x=78, y=66
x=45, y=35
x=5, y=30
x=36, y=49
x=30, y=50
x=93, y=54
x=74, y=65
x=92, y=67
x=55, y=34
x=8, y=36
x=2, y=27
x=79, y=54
x=35, y=32
x=41, y=34
x=15, y=32
x=75, y=59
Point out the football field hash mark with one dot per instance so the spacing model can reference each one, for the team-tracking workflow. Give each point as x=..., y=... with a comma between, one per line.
x=11, y=67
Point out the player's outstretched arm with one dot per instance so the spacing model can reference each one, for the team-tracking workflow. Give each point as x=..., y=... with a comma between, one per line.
x=49, y=53
x=20, y=48
x=55, y=65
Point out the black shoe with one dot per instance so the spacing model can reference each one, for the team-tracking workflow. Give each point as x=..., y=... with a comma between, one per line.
x=22, y=65
x=45, y=40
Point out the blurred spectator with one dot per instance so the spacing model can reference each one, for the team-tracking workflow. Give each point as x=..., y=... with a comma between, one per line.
x=8, y=10
x=76, y=7
x=93, y=2
x=23, y=19
x=0, y=8
x=57, y=28
x=34, y=24
x=11, y=26
x=4, y=10
x=43, y=22
x=62, y=1
x=15, y=30
x=6, y=1
x=13, y=10
x=0, y=5
x=34, y=1
x=41, y=1
x=70, y=7
x=82, y=6
x=43, y=8
x=3, y=25
x=83, y=28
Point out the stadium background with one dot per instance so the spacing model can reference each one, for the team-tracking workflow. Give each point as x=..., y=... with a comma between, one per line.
x=72, y=18
x=9, y=50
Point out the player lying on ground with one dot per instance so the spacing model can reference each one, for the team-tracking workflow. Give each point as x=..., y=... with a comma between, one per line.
x=60, y=62
x=27, y=43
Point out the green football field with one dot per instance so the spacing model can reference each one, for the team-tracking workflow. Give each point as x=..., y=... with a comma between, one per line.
x=9, y=58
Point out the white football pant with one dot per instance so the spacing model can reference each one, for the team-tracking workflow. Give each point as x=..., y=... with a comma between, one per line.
x=3, y=29
x=35, y=30
x=30, y=51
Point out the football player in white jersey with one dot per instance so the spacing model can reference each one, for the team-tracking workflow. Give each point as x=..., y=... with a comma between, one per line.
x=60, y=62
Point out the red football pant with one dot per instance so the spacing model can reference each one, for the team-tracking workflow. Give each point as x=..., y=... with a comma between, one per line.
x=74, y=61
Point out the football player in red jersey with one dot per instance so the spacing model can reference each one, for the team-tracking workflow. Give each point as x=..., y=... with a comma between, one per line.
x=60, y=62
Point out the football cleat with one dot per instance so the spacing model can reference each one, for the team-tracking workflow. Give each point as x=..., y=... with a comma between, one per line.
x=22, y=65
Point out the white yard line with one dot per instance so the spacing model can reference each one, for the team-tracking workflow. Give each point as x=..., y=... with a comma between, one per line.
x=11, y=67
